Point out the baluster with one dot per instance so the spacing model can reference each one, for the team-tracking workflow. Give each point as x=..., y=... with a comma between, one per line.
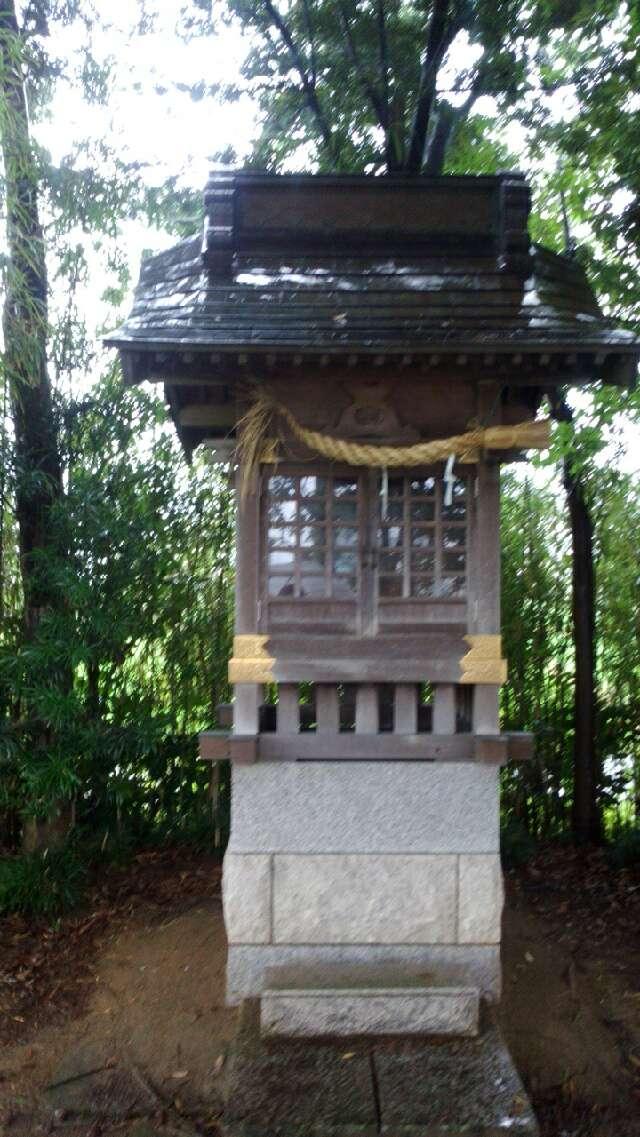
x=288, y=715
x=405, y=711
x=486, y=718
x=327, y=709
x=366, y=709
x=444, y=709
x=246, y=707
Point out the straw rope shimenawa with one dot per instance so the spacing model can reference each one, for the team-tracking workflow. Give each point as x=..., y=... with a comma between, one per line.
x=257, y=427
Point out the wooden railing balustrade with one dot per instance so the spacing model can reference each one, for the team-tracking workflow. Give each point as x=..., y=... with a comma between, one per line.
x=363, y=721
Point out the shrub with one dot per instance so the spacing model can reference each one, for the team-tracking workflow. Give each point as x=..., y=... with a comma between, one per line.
x=517, y=846
x=44, y=884
x=624, y=847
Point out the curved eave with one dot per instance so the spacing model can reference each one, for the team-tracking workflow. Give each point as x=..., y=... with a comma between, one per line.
x=421, y=305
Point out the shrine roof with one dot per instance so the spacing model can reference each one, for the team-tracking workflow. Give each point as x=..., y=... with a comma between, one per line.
x=366, y=265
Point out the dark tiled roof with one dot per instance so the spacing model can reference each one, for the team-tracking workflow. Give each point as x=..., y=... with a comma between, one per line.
x=373, y=303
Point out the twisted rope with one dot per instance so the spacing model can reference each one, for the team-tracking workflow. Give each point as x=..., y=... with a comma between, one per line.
x=256, y=428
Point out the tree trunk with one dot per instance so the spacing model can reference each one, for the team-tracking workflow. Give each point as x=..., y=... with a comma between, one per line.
x=39, y=478
x=25, y=323
x=586, y=818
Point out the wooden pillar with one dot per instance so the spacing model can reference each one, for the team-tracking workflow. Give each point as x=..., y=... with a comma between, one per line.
x=368, y=607
x=486, y=591
x=444, y=709
x=247, y=696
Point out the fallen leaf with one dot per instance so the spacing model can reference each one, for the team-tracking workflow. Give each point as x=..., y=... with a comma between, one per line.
x=180, y=1075
x=349, y=1054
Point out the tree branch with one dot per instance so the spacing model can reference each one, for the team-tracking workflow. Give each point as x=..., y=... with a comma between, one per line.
x=378, y=103
x=441, y=32
x=306, y=79
x=312, y=47
x=448, y=121
x=385, y=65
x=439, y=141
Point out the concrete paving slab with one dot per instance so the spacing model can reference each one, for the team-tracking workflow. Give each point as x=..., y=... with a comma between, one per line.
x=295, y=1089
x=466, y=1088
x=373, y=1088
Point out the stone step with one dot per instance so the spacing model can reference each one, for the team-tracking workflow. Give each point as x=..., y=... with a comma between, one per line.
x=408, y=1009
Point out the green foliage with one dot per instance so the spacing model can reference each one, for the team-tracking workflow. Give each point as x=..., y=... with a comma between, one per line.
x=517, y=846
x=103, y=702
x=106, y=682
x=623, y=850
x=536, y=626
x=341, y=84
x=42, y=885
x=536, y=622
x=582, y=120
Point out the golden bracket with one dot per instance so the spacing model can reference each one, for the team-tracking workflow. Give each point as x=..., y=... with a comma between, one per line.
x=251, y=662
x=483, y=663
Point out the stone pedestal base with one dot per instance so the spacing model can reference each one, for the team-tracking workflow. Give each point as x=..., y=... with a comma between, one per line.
x=364, y=864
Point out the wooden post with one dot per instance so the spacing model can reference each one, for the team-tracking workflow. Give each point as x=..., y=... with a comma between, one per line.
x=247, y=696
x=214, y=800
x=368, y=608
x=486, y=592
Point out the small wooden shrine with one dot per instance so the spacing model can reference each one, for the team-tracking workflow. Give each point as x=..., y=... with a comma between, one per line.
x=368, y=351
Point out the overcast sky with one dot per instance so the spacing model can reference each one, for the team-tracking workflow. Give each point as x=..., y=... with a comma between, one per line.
x=168, y=131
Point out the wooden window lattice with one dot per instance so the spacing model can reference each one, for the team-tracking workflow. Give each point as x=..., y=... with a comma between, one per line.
x=314, y=543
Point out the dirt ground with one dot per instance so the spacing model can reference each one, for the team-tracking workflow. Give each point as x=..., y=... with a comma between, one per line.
x=135, y=984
